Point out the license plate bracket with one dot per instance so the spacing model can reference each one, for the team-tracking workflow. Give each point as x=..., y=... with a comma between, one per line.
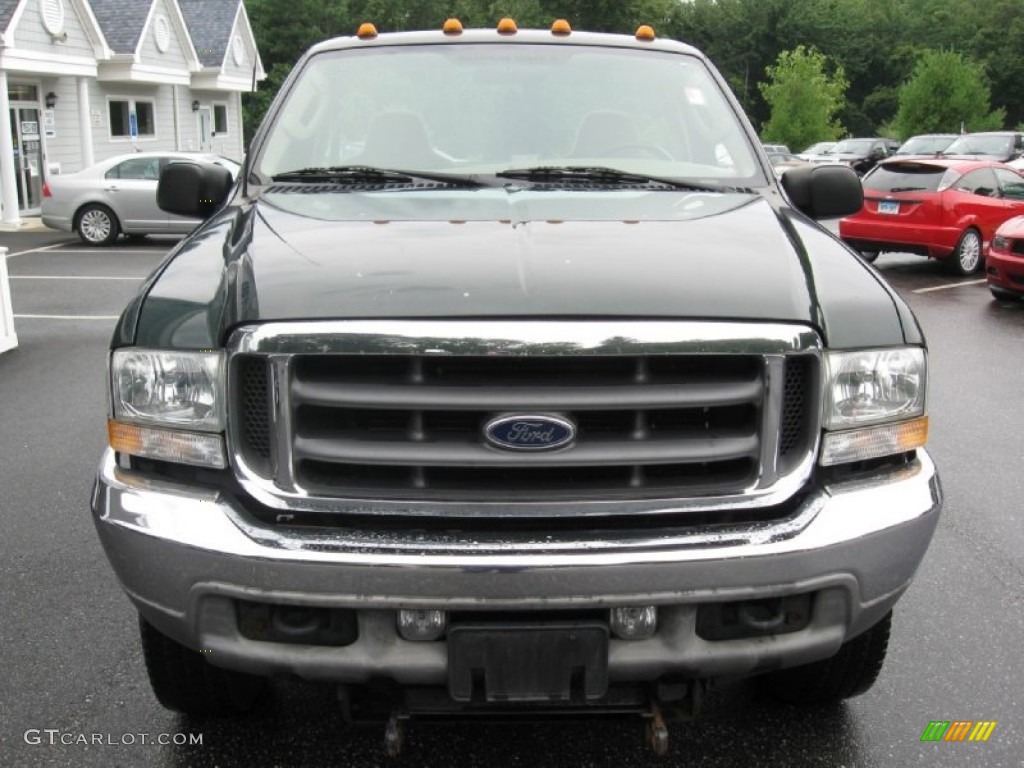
x=528, y=663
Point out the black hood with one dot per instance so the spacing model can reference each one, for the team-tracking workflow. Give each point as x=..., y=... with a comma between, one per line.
x=509, y=253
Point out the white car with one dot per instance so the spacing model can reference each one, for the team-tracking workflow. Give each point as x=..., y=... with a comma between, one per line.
x=118, y=196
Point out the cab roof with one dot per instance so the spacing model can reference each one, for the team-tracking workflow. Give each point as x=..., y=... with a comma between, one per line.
x=520, y=37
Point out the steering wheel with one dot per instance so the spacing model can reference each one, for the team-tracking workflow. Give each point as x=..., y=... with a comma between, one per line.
x=652, y=150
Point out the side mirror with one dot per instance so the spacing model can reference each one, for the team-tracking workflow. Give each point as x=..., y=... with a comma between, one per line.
x=193, y=189
x=824, y=191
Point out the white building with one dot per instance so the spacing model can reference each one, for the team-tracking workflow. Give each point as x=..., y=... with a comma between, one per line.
x=82, y=80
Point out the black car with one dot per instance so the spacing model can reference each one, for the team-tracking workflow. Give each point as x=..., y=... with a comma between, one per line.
x=860, y=154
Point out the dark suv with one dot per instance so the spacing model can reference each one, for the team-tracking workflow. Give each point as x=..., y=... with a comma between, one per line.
x=860, y=154
x=1002, y=146
x=508, y=379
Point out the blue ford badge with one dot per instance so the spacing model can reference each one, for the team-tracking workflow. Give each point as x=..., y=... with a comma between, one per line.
x=529, y=432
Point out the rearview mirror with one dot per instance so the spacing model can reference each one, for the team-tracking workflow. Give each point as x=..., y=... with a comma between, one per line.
x=824, y=191
x=193, y=189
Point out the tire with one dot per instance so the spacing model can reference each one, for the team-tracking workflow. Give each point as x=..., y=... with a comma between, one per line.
x=869, y=256
x=97, y=225
x=851, y=672
x=966, y=259
x=183, y=681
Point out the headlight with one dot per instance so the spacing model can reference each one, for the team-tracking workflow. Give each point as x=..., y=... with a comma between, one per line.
x=873, y=386
x=1000, y=243
x=877, y=399
x=174, y=389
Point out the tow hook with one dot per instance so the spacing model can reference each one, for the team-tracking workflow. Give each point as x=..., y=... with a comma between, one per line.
x=394, y=732
x=656, y=734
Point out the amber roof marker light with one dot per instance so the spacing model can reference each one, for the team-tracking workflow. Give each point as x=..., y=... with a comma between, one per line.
x=452, y=27
x=507, y=26
x=645, y=32
x=561, y=28
x=366, y=31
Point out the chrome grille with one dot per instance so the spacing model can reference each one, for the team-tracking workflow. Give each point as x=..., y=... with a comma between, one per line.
x=413, y=426
x=393, y=423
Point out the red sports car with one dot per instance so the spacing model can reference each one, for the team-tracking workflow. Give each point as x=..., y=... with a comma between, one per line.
x=1005, y=264
x=941, y=208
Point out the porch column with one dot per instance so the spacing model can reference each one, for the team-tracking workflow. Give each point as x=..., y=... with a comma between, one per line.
x=177, y=117
x=84, y=122
x=8, y=187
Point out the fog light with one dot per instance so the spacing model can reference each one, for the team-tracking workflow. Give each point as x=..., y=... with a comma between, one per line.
x=634, y=622
x=422, y=626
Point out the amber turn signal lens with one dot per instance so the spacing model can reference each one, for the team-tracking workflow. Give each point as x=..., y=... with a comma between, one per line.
x=645, y=32
x=366, y=31
x=507, y=26
x=873, y=442
x=197, y=448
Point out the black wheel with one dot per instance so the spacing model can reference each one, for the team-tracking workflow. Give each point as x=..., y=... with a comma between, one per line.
x=184, y=681
x=97, y=225
x=966, y=259
x=849, y=673
x=869, y=256
x=1001, y=294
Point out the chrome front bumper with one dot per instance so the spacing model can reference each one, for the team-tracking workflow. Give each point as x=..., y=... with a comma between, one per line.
x=185, y=556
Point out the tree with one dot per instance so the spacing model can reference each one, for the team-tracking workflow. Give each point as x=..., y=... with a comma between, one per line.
x=804, y=98
x=946, y=92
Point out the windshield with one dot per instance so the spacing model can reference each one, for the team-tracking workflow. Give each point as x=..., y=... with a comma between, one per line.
x=489, y=108
x=997, y=146
x=853, y=147
x=925, y=145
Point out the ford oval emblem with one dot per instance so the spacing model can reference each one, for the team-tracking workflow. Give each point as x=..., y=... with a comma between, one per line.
x=529, y=432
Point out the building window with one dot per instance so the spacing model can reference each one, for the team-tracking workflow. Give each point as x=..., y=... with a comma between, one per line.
x=220, y=118
x=121, y=112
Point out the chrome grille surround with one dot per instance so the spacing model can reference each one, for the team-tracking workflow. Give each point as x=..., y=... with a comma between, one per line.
x=780, y=471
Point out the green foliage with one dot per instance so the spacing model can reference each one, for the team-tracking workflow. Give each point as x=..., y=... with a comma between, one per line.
x=804, y=98
x=945, y=91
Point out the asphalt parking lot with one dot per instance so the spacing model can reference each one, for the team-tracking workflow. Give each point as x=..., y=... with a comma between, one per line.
x=72, y=664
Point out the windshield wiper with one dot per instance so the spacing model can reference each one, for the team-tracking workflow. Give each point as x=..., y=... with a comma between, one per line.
x=591, y=173
x=907, y=189
x=362, y=174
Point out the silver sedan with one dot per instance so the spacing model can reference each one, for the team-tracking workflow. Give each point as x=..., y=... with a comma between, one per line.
x=118, y=196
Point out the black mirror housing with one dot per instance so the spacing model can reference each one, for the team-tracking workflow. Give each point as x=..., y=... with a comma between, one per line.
x=824, y=191
x=193, y=189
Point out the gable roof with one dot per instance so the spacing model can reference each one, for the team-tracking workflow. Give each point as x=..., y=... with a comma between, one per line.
x=210, y=23
x=122, y=22
x=7, y=9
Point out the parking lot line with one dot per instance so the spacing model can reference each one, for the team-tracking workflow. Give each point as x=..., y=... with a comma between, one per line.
x=950, y=285
x=35, y=250
x=72, y=277
x=113, y=251
x=66, y=317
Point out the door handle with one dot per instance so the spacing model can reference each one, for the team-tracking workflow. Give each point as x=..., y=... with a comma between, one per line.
x=110, y=189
